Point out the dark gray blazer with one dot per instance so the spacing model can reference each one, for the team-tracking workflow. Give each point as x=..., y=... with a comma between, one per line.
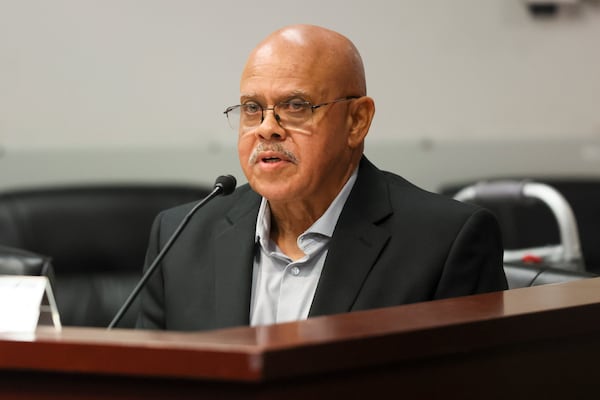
x=393, y=244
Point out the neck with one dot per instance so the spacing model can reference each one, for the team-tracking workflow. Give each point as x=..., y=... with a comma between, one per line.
x=289, y=219
x=288, y=222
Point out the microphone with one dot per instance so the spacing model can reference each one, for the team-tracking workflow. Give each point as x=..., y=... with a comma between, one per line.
x=224, y=185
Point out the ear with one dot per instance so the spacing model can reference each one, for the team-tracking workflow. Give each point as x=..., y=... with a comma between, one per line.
x=360, y=116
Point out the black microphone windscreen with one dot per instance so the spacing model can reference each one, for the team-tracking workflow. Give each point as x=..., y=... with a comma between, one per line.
x=226, y=183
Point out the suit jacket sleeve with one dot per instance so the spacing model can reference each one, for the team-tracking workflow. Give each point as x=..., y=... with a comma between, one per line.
x=474, y=262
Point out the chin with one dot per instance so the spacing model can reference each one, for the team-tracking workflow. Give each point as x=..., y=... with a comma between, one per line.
x=275, y=191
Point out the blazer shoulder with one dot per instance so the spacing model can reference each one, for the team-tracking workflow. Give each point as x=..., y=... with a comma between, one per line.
x=401, y=190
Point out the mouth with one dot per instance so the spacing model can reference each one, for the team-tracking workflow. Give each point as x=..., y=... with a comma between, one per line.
x=272, y=155
x=270, y=159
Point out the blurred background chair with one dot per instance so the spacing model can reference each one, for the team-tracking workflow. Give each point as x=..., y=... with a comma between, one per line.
x=94, y=237
x=15, y=261
x=532, y=224
x=550, y=228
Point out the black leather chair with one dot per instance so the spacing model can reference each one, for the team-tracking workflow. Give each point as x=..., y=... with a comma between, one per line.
x=96, y=237
x=532, y=224
x=526, y=222
x=21, y=262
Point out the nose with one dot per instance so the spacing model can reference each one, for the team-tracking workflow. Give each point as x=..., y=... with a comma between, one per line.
x=270, y=127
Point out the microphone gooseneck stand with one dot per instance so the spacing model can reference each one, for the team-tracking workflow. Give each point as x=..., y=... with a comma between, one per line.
x=224, y=185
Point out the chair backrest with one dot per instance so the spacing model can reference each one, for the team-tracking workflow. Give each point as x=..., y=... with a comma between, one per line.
x=96, y=237
x=533, y=225
x=15, y=261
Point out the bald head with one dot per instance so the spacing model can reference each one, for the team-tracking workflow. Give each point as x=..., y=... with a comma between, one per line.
x=330, y=57
x=296, y=155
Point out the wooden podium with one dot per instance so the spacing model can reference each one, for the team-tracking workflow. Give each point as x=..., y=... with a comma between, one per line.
x=541, y=342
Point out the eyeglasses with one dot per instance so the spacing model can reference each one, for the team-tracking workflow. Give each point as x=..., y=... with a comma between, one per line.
x=295, y=114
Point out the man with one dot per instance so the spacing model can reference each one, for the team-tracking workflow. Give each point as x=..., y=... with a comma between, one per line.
x=319, y=229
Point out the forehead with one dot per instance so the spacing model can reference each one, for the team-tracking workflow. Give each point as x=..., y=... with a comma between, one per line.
x=273, y=69
x=277, y=83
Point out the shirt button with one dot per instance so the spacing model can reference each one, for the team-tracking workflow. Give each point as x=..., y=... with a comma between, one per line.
x=295, y=271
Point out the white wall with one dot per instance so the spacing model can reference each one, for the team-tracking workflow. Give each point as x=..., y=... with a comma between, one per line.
x=121, y=90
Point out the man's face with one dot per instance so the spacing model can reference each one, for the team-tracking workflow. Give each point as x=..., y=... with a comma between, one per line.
x=290, y=164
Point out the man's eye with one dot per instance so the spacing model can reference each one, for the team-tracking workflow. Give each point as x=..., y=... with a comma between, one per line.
x=251, y=108
x=295, y=106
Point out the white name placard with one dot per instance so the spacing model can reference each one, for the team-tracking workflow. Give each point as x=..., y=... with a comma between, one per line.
x=26, y=302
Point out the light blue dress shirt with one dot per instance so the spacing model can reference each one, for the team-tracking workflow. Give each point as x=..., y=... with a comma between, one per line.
x=283, y=289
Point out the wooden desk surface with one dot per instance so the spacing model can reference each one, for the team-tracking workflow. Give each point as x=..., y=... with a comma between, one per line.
x=517, y=329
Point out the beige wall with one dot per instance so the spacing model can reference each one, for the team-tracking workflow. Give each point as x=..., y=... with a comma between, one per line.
x=100, y=90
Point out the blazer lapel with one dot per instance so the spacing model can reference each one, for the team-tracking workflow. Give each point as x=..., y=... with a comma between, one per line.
x=356, y=243
x=234, y=255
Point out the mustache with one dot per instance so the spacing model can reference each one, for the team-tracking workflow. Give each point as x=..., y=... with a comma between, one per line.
x=274, y=147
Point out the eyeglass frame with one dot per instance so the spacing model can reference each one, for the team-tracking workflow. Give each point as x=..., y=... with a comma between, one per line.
x=313, y=107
